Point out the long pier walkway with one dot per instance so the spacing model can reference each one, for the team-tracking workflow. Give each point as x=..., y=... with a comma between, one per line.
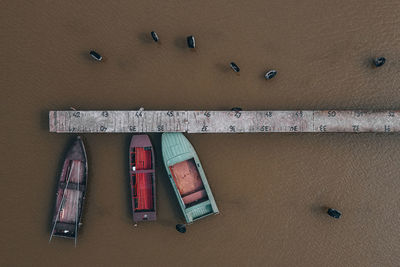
x=140, y=121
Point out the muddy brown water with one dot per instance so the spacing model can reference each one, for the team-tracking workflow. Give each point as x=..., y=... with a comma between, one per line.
x=271, y=189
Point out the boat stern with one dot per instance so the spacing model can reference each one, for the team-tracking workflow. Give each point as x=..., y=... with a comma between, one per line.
x=139, y=216
x=66, y=230
x=200, y=211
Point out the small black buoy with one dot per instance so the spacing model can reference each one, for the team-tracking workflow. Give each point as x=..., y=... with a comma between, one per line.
x=234, y=67
x=334, y=213
x=379, y=61
x=237, y=109
x=95, y=55
x=155, y=37
x=270, y=74
x=191, y=42
x=181, y=228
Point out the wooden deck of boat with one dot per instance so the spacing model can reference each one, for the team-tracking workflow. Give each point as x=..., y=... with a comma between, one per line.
x=144, y=191
x=76, y=172
x=137, y=121
x=143, y=182
x=68, y=213
x=187, y=177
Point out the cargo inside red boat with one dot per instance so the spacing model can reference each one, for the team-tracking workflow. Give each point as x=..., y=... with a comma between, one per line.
x=142, y=179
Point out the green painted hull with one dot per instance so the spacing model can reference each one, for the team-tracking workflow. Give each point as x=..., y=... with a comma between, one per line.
x=175, y=149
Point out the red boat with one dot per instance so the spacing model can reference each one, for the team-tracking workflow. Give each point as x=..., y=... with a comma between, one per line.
x=142, y=178
x=71, y=193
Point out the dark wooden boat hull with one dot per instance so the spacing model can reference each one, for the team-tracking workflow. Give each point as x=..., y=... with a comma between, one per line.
x=71, y=192
x=142, y=179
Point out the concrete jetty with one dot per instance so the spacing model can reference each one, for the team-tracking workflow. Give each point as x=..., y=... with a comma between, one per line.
x=140, y=121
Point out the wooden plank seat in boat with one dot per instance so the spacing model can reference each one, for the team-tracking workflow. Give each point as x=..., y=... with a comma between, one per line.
x=195, y=196
x=144, y=171
x=72, y=186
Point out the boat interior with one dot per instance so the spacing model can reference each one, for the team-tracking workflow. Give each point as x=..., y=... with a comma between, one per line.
x=73, y=174
x=71, y=191
x=142, y=178
x=188, y=181
x=71, y=205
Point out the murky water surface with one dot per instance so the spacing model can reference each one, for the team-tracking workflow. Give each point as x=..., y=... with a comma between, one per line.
x=271, y=189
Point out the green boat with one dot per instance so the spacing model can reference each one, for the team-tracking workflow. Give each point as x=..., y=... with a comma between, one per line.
x=187, y=177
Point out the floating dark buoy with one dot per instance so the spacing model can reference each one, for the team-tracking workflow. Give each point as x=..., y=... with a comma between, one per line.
x=334, y=213
x=155, y=37
x=237, y=109
x=95, y=55
x=270, y=74
x=191, y=42
x=181, y=228
x=234, y=67
x=379, y=61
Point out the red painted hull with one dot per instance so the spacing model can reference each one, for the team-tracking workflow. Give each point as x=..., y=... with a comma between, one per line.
x=142, y=179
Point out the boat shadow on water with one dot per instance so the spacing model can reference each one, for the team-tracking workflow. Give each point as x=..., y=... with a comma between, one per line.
x=222, y=67
x=180, y=43
x=44, y=121
x=318, y=209
x=127, y=190
x=145, y=38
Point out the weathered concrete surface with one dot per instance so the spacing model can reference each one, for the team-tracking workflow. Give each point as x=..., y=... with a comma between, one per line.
x=109, y=121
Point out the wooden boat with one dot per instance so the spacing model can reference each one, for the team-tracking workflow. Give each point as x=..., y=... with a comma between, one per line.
x=142, y=178
x=71, y=193
x=187, y=177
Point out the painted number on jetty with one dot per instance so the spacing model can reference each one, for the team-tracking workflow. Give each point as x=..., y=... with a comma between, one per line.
x=293, y=121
